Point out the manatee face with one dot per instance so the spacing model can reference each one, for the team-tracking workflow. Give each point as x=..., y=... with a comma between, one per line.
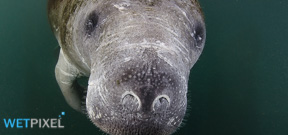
x=139, y=53
x=140, y=59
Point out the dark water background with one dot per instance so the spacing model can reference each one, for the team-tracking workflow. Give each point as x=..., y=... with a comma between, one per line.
x=238, y=87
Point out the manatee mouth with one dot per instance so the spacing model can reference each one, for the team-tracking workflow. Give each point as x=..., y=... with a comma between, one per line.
x=144, y=128
x=139, y=98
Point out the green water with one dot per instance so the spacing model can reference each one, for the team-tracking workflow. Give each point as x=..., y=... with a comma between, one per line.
x=238, y=87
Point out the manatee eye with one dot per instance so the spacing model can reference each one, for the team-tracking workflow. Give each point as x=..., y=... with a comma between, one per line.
x=199, y=35
x=91, y=23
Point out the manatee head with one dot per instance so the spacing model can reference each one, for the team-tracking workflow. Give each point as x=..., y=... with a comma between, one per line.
x=139, y=53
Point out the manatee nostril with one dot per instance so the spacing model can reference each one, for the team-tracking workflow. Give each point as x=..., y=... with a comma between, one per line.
x=130, y=101
x=161, y=103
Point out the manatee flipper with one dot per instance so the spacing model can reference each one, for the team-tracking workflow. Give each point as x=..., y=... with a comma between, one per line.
x=66, y=75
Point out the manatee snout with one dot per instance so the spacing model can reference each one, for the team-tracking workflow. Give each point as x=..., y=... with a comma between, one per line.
x=141, y=96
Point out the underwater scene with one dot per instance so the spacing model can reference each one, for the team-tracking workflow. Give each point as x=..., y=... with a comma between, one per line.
x=239, y=85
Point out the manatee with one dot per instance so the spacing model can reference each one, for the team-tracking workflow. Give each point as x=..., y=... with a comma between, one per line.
x=137, y=55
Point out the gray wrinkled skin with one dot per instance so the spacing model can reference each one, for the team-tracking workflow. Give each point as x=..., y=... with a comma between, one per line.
x=137, y=55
